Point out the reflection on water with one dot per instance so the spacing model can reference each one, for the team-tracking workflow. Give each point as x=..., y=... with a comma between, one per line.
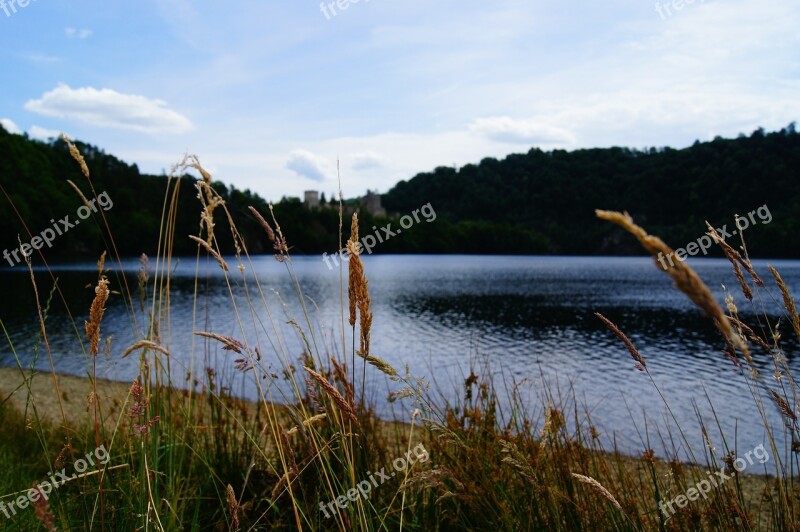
x=528, y=316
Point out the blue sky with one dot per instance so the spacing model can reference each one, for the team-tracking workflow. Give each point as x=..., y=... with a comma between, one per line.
x=270, y=94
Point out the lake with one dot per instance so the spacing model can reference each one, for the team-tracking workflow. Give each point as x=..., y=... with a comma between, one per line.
x=527, y=317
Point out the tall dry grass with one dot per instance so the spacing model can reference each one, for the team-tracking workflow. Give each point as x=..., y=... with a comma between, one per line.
x=187, y=455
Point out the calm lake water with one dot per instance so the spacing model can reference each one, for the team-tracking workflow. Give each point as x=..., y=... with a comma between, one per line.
x=528, y=317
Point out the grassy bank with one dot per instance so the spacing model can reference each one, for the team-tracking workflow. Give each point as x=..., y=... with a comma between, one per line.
x=167, y=458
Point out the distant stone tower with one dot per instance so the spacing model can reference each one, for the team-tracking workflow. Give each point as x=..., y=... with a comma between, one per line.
x=372, y=204
x=311, y=199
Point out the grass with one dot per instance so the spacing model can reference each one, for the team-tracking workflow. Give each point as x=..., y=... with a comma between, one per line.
x=190, y=456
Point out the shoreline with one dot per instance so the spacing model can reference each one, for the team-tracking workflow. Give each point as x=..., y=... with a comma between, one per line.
x=75, y=392
x=76, y=400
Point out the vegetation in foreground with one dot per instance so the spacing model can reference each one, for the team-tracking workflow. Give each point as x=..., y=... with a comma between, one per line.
x=199, y=459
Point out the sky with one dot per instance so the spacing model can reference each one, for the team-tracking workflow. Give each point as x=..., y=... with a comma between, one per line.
x=275, y=95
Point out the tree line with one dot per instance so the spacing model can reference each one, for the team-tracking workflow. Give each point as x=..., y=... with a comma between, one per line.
x=537, y=202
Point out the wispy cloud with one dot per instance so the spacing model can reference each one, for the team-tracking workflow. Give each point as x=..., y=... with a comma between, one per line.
x=75, y=33
x=366, y=160
x=506, y=129
x=37, y=57
x=43, y=133
x=109, y=108
x=306, y=164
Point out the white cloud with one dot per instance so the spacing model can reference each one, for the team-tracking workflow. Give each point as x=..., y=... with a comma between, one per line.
x=43, y=133
x=10, y=126
x=37, y=57
x=77, y=33
x=509, y=130
x=366, y=160
x=108, y=108
x=306, y=164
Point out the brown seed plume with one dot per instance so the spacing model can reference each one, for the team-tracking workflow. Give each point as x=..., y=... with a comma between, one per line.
x=358, y=290
x=231, y=344
x=213, y=252
x=264, y=224
x=788, y=302
x=733, y=255
x=595, y=485
x=334, y=394
x=355, y=269
x=685, y=278
x=307, y=423
x=641, y=365
x=750, y=333
x=96, y=314
x=233, y=507
x=365, y=315
x=382, y=365
x=42, y=508
x=76, y=154
x=78, y=191
x=783, y=406
x=145, y=344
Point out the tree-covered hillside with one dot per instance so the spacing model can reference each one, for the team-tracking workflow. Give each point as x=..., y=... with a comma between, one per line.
x=670, y=192
x=539, y=202
x=34, y=191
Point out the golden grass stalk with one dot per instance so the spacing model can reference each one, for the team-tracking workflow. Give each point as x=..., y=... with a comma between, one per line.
x=358, y=290
x=101, y=264
x=595, y=485
x=366, y=318
x=231, y=344
x=307, y=423
x=553, y=422
x=685, y=278
x=355, y=269
x=382, y=365
x=740, y=278
x=334, y=394
x=76, y=189
x=76, y=154
x=788, y=302
x=340, y=371
x=784, y=406
x=145, y=344
x=641, y=365
x=733, y=255
x=211, y=251
x=205, y=193
x=264, y=224
x=96, y=314
x=233, y=507
x=280, y=246
x=750, y=333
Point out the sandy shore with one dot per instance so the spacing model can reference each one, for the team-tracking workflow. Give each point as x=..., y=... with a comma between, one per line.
x=42, y=394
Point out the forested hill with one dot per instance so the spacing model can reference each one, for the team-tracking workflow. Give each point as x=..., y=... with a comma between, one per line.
x=670, y=192
x=539, y=202
x=34, y=191
x=33, y=177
